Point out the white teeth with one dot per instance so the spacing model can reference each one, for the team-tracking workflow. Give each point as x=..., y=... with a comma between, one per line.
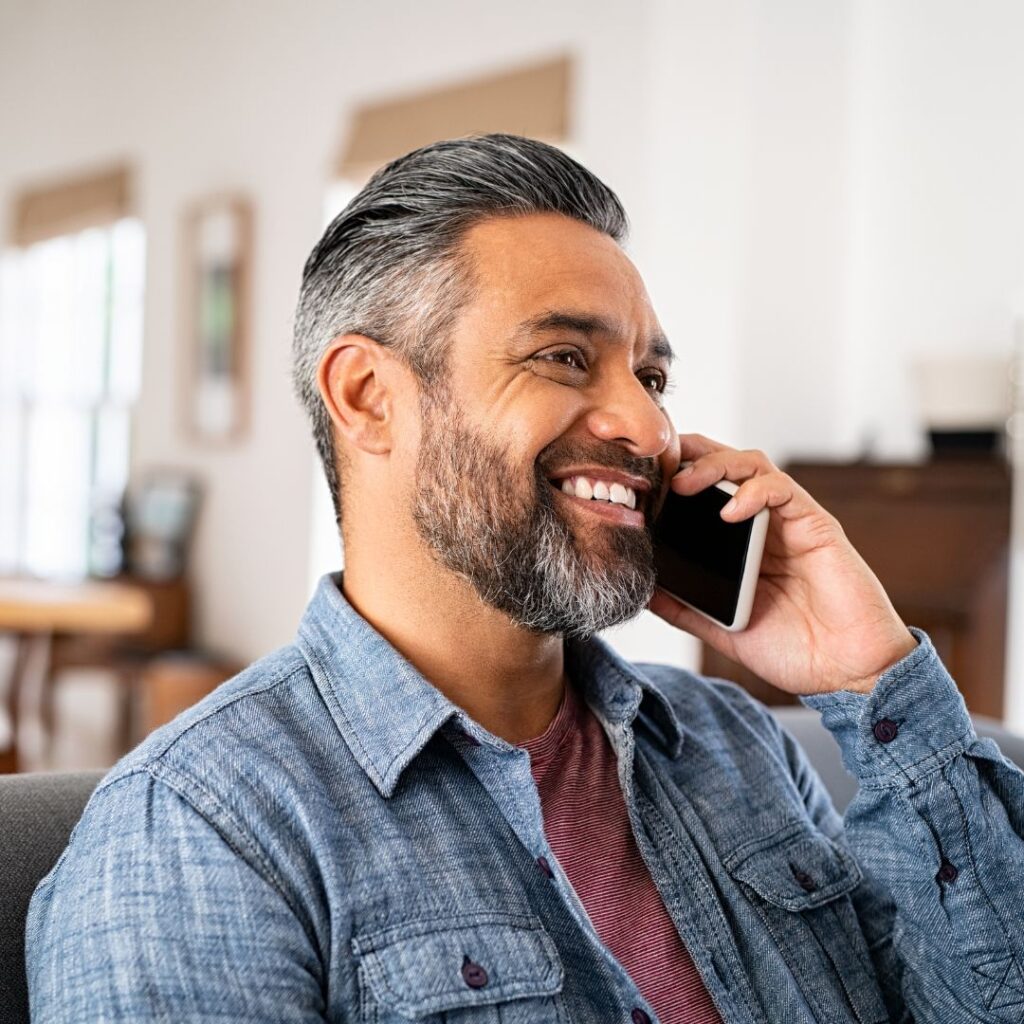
x=599, y=490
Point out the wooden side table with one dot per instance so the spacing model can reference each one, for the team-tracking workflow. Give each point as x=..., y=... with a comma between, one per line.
x=93, y=622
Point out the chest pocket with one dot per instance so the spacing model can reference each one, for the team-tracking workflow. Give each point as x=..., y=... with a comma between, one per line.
x=796, y=869
x=474, y=969
x=800, y=883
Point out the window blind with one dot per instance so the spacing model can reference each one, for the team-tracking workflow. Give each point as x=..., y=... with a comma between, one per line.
x=532, y=100
x=71, y=205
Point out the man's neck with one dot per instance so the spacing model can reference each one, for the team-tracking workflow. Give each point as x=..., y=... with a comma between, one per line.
x=508, y=680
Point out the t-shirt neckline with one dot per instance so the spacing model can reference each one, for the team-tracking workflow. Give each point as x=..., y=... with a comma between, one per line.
x=543, y=747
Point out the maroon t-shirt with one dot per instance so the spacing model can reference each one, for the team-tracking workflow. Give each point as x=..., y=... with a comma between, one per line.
x=588, y=829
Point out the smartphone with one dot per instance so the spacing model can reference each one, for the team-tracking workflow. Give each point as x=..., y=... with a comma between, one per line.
x=711, y=565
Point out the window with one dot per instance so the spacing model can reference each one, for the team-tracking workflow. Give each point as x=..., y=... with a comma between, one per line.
x=70, y=360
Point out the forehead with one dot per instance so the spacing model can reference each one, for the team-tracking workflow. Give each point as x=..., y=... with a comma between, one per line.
x=525, y=265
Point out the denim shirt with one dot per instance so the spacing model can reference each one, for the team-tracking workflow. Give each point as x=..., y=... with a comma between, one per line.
x=328, y=837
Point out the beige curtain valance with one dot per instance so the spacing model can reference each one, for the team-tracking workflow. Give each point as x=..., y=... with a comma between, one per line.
x=71, y=205
x=530, y=101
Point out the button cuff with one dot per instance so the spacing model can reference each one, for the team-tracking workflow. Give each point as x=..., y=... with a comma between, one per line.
x=914, y=703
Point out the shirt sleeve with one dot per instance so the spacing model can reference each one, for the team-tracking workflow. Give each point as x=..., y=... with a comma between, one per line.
x=936, y=826
x=151, y=915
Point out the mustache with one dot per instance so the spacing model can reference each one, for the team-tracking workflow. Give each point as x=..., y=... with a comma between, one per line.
x=609, y=456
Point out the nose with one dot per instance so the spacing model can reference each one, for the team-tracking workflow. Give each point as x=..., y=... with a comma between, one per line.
x=626, y=413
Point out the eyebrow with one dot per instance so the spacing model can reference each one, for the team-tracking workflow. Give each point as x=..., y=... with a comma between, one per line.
x=588, y=324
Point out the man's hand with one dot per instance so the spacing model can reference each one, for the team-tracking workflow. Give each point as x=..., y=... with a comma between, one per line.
x=821, y=620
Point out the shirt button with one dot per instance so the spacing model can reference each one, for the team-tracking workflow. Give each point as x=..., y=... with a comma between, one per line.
x=804, y=880
x=639, y=1017
x=542, y=863
x=947, y=872
x=473, y=974
x=885, y=730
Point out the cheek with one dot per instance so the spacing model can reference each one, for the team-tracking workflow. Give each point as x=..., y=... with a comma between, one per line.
x=536, y=425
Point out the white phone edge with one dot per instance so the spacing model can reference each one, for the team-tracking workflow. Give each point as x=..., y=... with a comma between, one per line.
x=751, y=569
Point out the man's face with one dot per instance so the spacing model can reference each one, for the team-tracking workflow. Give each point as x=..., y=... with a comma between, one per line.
x=554, y=373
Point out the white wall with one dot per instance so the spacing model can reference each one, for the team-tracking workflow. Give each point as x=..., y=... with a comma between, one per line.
x=797, y=183
x=939, y=209
x=819, y=191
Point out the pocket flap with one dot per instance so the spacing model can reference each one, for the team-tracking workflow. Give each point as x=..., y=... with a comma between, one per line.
x=417, y=968
x=798, y=871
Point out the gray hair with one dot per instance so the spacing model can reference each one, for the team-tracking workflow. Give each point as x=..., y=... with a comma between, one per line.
x=389, y=265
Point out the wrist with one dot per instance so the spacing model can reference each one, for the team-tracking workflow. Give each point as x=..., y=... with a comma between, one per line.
x=899, y=650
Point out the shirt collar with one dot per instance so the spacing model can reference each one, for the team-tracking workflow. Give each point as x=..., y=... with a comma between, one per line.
x=387, y=711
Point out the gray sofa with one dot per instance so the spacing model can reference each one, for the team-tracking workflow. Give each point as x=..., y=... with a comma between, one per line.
x=38, y=811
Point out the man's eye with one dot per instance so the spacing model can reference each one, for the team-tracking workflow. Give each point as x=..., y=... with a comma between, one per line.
x=570, y=354
x=573, y=359
x=660, y=380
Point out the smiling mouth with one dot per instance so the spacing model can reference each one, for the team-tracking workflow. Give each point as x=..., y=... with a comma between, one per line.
x=607, y=510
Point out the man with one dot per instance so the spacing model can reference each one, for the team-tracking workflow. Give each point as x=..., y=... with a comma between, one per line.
x=449, y=800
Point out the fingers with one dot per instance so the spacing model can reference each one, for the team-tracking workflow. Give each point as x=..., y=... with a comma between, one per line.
x=721, y=463
x=761, y=483
x=774, y=490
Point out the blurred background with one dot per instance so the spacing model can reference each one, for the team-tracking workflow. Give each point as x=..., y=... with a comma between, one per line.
x=827, y=205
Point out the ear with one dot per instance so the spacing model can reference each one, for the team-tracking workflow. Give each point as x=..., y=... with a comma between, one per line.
x=356, y=377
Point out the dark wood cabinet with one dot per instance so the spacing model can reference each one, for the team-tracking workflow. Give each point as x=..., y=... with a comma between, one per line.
x=937, y=535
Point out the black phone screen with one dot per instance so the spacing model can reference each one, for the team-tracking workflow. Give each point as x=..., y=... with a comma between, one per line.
x=698, y=556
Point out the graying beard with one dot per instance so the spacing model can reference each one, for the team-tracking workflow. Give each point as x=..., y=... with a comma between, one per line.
x=575, y=601
x=541, y=580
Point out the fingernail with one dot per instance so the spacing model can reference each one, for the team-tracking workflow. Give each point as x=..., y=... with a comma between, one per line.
x=686, y=469
x=730, y=507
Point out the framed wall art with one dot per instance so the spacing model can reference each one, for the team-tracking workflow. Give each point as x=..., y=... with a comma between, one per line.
x=217, y=269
